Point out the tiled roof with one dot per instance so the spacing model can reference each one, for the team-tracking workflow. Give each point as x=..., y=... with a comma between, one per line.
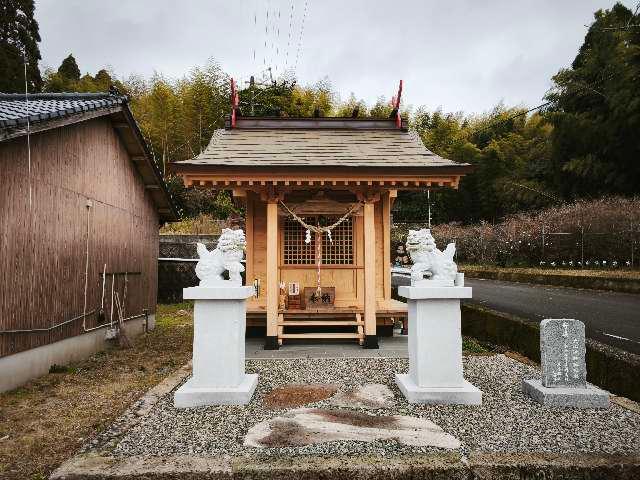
x=43, y=109
x=14, y=108
x=312, y=146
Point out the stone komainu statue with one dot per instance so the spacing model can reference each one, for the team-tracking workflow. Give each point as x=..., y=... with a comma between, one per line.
x=227, y=255
x=428, y=259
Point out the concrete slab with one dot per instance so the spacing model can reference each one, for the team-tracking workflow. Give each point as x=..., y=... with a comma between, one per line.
x=390, y=347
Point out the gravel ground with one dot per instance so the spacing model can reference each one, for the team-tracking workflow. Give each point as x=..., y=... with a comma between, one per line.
x=507, y=421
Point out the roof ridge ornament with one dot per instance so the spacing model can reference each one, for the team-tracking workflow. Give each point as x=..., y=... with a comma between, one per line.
x=235, y=101
x=395, y=103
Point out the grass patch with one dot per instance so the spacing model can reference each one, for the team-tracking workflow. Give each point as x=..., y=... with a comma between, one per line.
x=45, y=421
x=471, y=346
x=62, y=369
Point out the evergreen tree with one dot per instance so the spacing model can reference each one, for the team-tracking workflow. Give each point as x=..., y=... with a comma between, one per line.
x=19, y=39
x=69, y=70
x=596, y=110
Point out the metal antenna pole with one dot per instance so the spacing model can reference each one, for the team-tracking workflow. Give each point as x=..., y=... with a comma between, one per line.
x=26, y=99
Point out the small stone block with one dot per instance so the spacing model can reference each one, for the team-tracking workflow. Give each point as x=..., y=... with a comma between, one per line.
x=468, y=394
x=576, y=397
x=188, y=396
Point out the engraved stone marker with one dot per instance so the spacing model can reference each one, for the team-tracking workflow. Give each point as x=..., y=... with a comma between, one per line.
x=562, y=350
x=564, y=371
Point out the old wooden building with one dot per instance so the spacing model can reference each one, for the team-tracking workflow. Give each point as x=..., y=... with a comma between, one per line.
x=297, y=175
x=80, y=203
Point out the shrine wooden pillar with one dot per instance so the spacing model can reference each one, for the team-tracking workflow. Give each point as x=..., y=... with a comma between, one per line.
x=271, y=341
x=386, y=245
x=370, y=336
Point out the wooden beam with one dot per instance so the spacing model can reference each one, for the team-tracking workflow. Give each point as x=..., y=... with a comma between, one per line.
x=369, y=269
x=272, y=268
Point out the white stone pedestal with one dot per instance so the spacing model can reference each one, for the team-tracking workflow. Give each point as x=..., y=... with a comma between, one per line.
x=219, y=323
x=435, y=347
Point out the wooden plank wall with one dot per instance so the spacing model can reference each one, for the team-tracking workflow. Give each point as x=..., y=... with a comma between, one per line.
x=43, y=245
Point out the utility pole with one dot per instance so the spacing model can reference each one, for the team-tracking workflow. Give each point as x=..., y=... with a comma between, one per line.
x=252, y=84
x=252, y=87
x=429, y=206
x=200, y=132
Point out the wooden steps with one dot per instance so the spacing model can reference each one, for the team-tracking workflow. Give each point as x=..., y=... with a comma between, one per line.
x=336, y=319
x=319, y=323
x=320, y=335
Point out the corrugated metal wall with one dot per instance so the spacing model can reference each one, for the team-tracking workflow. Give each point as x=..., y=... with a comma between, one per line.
x=43, y=244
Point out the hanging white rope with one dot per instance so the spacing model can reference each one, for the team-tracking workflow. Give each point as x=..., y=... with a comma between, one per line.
x=318, y=228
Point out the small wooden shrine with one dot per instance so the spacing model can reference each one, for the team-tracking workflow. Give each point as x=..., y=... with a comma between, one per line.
x=318, y=194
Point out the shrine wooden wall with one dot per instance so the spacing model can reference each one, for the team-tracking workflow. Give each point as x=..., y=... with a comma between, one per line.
x=43, y=244
x=348, y=279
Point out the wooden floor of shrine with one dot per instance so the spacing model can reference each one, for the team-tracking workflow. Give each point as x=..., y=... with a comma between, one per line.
x=339, y=323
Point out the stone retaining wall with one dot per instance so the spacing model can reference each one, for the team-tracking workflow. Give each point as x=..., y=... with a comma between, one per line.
x=175, y=271
x=435, y=466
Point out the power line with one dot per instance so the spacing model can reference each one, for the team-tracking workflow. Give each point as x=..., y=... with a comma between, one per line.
x=304, y=17
x=286, y=60
x=520, y=114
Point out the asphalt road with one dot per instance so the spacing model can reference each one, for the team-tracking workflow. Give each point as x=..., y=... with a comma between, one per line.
x=609, y=317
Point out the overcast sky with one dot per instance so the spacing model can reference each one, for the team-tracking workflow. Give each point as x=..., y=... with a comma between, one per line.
x=458, y=55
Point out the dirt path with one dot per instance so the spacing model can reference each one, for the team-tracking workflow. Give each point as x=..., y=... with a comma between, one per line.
x=44, y=422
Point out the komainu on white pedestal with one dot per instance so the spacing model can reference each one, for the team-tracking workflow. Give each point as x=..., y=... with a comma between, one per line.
x=227, y=255
x=219, y=328
x=427, y=258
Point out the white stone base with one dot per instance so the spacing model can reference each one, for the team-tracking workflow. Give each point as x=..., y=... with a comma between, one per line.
x=465, y=395
x=576, y=397
x=188, y=396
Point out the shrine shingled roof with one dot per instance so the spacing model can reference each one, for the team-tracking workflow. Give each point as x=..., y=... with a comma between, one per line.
x=317, y=142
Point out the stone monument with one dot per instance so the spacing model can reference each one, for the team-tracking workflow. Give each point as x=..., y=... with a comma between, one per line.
x=219, y=324
x=435, y=332
x=564, y=371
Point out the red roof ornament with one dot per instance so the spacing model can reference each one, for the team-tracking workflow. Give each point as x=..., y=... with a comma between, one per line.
x=235, y=101
x=396, y=106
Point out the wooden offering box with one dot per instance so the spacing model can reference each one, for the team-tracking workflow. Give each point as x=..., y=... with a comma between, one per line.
x=327, y=298
x=294, y=302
